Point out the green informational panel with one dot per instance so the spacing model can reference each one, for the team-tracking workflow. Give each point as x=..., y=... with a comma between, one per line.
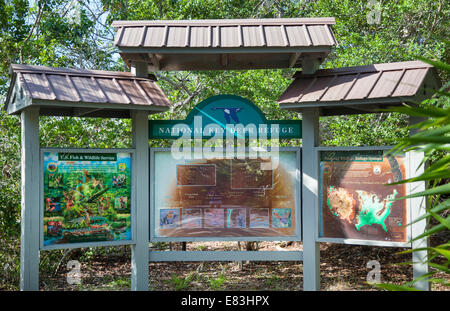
x=355, y=201
x=225, y=199
x=86, y=198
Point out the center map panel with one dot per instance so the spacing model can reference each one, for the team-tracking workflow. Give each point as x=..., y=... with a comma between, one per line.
x=225, y=198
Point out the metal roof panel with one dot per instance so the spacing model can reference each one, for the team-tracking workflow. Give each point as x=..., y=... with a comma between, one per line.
x=200, y=37
x=295, y=90
x=253, y=36
x=320, y=35
x=132, y=92
x=88, y=90
x=362, y=86
x=38, y=86
x=275, y=36
x=339, y=88
x=162, y=39
x=317, y=89
x=298, y=35
x=386, y=84
x=176, y=36
x=111, y=91
x=131, y=36
x=360, y=89
x=61, y=87
x=155, y=36
x=411, y=81
x=158, y=98
x=227, y=22
x=57, y=87
x=229, y=36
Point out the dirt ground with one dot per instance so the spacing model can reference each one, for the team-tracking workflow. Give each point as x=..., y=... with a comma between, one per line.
x=343, y=267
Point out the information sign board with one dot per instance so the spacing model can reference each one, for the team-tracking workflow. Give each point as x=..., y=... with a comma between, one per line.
x=224, y=199
x=87, y=197
x=356, y=200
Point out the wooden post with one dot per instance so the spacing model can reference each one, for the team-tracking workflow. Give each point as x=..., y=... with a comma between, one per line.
x=418, y=208
x=139, y=251
x=30, y=220
x=310, y=204
x=140, y=69
x=310, y=65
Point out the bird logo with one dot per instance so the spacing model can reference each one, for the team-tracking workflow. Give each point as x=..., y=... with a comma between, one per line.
x=229, y=113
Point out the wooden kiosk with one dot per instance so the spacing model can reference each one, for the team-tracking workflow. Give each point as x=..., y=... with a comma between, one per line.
x=148, y=46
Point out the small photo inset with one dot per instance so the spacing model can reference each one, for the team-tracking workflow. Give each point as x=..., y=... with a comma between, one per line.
x=236, y=218
x=122, y=167
x=55, y=180
x=169, y=218
x=53, y=204
x=281, y=218
x=214, y=218
x=259, y=218
x=119, y=181
x=121, y=203
x=192, y=218
x=52, y=167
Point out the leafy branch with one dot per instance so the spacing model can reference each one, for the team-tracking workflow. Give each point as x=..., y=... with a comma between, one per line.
x=432, y=137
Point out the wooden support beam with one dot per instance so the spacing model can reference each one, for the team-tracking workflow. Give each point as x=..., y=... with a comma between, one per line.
x=30, y=214
x=140, y=251
x=418, y=209
x=310, y=65
x=155, y=61
x=157, y=256
x=140, y=69
x=80, y=112
x=310, y=199
x=293, y=59
x=224, y=60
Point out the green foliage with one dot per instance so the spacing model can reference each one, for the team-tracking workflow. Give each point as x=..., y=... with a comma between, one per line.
x=433, y=136
x=181, y=283
x=217, y=283
x=160, y=245
x=88, y=254
x=272, y=281
x=202, y=247
x=121, y=283
x=10, y=175
x=364, y=130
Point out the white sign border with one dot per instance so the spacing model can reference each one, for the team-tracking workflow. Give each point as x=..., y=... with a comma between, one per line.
x=297, y=237
x=409, y=174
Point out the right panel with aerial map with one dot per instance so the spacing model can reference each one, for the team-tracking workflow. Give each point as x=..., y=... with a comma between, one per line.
x=355, y=201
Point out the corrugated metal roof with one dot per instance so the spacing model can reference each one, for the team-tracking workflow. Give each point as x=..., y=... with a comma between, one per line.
x=168, y=42
x=116, y=90
x=379, y=83
x=276, y=32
